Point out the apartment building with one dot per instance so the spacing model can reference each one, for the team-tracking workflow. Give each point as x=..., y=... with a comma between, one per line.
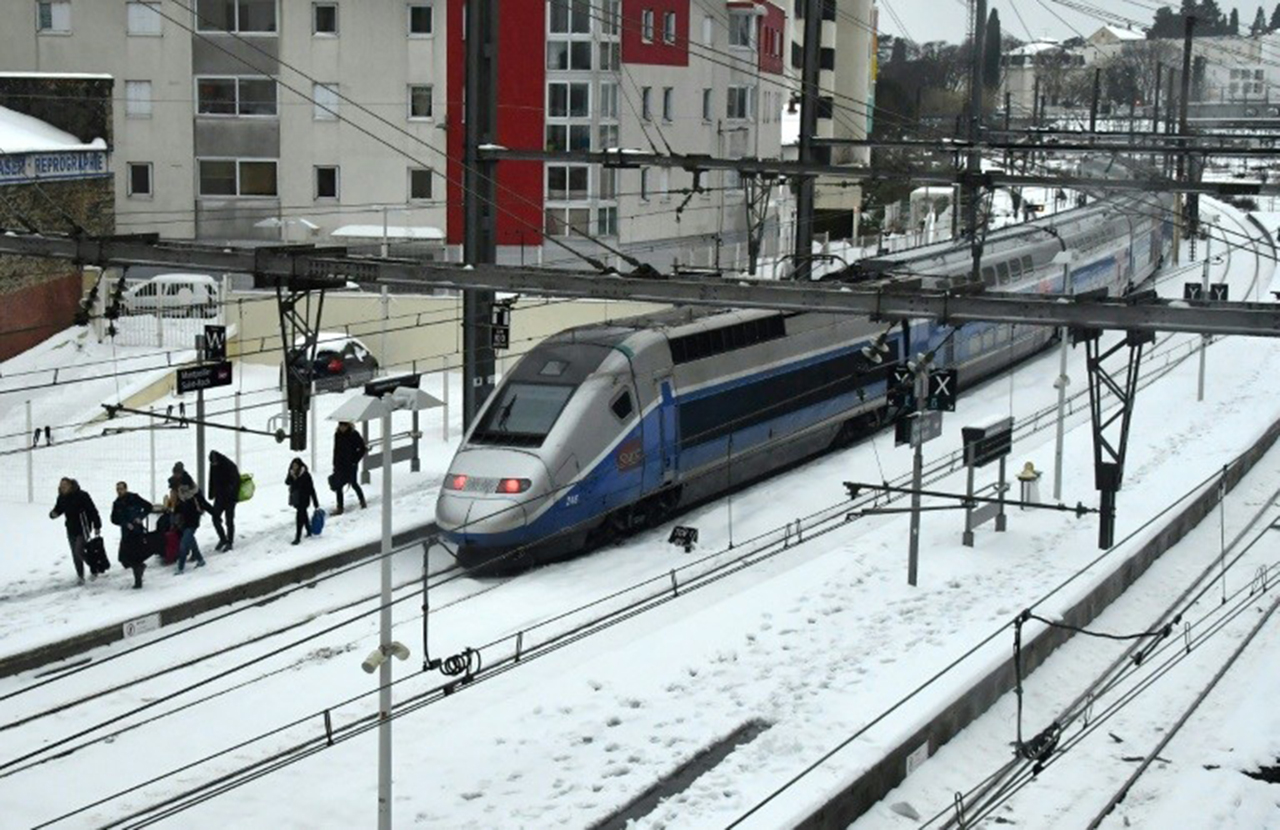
x=233, y=118
x=687, y=76
x=846, y=76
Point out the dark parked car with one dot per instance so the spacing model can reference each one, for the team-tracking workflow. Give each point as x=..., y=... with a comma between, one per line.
x=341, y=363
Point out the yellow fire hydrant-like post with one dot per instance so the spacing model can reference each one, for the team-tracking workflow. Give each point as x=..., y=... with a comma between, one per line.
x=1029, y=480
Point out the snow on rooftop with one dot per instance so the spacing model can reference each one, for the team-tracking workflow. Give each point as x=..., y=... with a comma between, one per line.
x=417, y=233
x=1035, y=47
x=21, y=133
x=1123, y=34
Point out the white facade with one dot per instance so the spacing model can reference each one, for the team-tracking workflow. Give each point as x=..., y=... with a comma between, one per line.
x=206, y=146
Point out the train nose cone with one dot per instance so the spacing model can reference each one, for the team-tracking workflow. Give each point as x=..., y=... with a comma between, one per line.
x=466, y=515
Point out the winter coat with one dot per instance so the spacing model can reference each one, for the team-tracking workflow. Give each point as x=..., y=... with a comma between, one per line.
x=348, y=449
x=79, y=510
x=188, y=512
x=130, y=512
x=301, y=490
x=224, y=479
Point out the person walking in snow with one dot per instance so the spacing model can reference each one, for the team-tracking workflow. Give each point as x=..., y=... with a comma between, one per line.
x=81, y=514
x=129, y=512
x=348, y=448
x=187, y=517
x=224, y=486
x=302, y=492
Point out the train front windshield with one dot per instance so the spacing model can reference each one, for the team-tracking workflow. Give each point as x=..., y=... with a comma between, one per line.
x=523, y=414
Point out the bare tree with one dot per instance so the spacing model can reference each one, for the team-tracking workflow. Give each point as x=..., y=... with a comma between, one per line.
x=1131, y=74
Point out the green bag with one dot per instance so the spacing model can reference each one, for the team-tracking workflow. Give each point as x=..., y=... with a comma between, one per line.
x=246, y=487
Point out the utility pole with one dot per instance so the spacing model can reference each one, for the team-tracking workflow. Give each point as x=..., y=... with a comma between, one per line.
x=1204, y=338
x=1155, y=108
x=1191, y=203
x=972, y=191
x=921, y=385
x=479, y=199
x=808, y=129
x=1093, y=104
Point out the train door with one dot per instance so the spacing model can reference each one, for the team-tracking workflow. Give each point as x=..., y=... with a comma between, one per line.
x=667, y=428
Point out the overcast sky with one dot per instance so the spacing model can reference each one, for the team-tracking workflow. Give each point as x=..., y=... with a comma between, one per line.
x=927, y=20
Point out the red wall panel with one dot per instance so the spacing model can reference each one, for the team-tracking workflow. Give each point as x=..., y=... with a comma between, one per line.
x=521, y=116
x=657, y=51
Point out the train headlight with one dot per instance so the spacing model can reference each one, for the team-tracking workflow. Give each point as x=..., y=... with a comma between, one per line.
x=458, y=482
x=514, y=485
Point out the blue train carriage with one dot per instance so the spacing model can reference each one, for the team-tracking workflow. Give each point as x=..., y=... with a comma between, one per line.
x=603, y=429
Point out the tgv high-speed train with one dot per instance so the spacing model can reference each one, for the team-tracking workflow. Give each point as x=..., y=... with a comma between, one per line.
x=603, y=429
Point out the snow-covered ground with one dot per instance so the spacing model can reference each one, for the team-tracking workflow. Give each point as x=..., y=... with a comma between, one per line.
x=815, y=643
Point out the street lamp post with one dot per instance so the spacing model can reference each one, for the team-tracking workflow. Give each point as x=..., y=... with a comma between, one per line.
x=380, y=399
x=1064, y=258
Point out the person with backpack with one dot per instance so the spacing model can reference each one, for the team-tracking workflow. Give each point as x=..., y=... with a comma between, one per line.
x=224, y=487
x=129, y=512
x=348, y=448
x=80, y=515
x=187, y=517
x=302, y=492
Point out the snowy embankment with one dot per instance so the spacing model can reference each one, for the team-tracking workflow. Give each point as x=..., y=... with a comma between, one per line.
x=39, y=600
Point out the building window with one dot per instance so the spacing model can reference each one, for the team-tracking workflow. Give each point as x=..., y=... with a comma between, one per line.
x=568, y=100
x=664, y=183
x=562, y=137
x=608, y=99
x=236, y=96
x=143, y=19
x=609, y=57
x=644, y=183
x=326, y=182
x=421, y=19
x=707, y=105
x=611, y=25
x=608, y=183
x=566, y=183
x=420, y=101
x=139, y=182
x=646, y=105
x=326, y=100
x=571, y=16
x=737, y=102
x=54, y=18
x=570, y=54
x=237, y=177
x=607, y=223
x=668, y=103
x=324, y=18
x=420, y=183
x=708, y=30
x=241, y=16
x=740, y=28
x=669, y=27
x=137, y=99
x=646, y=25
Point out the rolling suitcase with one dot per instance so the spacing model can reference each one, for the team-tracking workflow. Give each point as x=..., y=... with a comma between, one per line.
x=95, y=552
x=317, y=521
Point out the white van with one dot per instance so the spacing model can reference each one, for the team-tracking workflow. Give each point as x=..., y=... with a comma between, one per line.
x=174, y=295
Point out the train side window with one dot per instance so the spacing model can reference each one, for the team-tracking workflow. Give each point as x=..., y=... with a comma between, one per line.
x=1027, y=265
x=989, y=275
x=1015, y=269
x=622, y=406
x=1002, y=272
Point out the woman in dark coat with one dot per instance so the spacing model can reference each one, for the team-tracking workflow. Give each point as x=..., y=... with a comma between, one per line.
x=348, y=449
x=302, y=492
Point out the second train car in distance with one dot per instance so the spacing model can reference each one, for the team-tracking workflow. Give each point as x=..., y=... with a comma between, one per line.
x=603, y=429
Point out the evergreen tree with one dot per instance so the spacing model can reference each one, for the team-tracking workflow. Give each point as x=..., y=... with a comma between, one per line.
x=899, y=54
x=1259, y=25
x=1275, y=20
x=1233, y=23
x=991, y=52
